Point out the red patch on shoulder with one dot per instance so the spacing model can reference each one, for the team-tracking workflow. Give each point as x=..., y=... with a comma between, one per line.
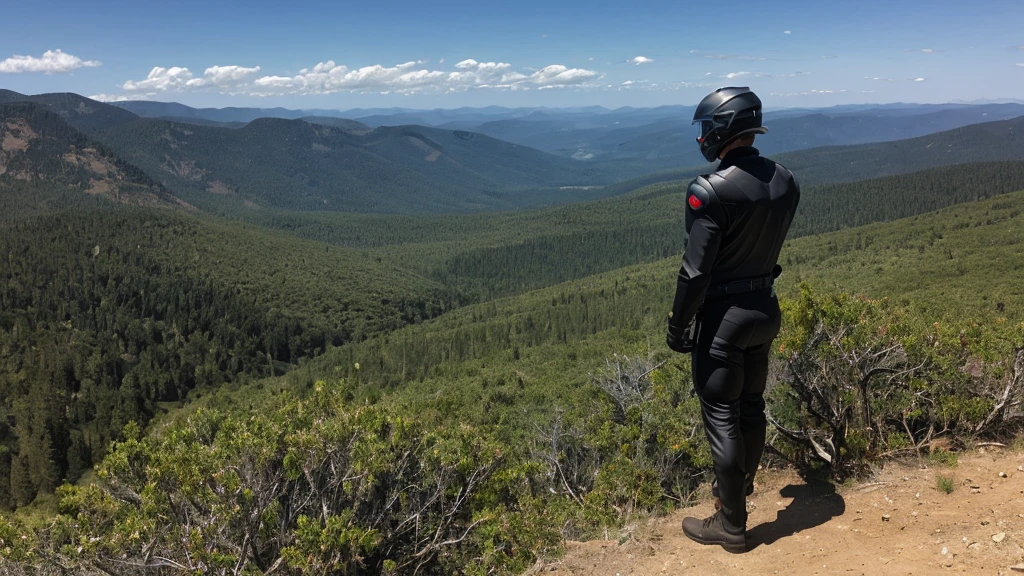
x=695, y=202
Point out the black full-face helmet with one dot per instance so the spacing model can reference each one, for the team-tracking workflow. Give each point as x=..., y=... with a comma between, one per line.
x=724, y=115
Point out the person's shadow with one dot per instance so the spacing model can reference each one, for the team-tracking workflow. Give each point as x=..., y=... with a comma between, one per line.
x=813, y=504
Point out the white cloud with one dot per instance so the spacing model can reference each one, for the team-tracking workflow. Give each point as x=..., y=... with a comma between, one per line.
x=118, y=97
x=329, y=77
x=919, y=79
x=787, y=31
x=160, y=79
x=51, y=62
x=1021, y=64
x=628, y=83
x=641, y=60
x=223, y=76
x=275, y=82
x=557, y=74
x=734, y=75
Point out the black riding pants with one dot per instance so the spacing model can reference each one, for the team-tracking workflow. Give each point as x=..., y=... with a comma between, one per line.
x=730, y=367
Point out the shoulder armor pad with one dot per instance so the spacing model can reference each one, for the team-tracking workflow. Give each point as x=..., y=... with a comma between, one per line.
x=699, y=194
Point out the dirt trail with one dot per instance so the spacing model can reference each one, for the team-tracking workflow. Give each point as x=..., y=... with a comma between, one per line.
x=897, y=523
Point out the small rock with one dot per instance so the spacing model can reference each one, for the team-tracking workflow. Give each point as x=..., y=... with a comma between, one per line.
x=984, y=522
x=945, y=550
x=918, y=495
x=885, y=517
x=974, y=545
x=975, y=486
x=914, y=513
x=1018, y=567
x=998, y=537
x=1002, y=474
x=1020, y=468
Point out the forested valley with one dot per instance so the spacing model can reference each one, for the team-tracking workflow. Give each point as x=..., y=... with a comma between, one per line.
x=198, y=378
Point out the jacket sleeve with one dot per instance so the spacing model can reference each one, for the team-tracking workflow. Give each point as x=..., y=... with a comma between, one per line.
x=704, y=222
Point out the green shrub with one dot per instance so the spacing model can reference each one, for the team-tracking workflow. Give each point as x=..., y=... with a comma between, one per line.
x=945, y=484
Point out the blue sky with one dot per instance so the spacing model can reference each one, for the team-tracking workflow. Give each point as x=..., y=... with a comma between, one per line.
x=305, y=54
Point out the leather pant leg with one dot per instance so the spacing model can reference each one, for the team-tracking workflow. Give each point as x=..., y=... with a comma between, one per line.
x=730, y=367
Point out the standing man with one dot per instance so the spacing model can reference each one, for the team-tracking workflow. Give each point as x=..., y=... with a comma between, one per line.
x=725, y=311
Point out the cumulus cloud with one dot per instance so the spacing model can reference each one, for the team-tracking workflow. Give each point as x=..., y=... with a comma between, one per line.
x=330, y=77
x=118, y=97
x=160, y=79
x=557, y=74
x=641, y=60
x=51, y=62
x=223, y=76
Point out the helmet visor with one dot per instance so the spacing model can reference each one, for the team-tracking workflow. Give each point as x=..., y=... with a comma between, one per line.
x=704, y=127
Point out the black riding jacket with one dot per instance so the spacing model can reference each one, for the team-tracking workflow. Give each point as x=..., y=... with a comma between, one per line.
x=736, y=221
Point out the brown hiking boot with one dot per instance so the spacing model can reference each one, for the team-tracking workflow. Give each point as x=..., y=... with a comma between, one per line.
x=716, y=530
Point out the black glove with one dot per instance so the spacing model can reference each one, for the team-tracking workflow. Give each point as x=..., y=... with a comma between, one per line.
x=678, y=340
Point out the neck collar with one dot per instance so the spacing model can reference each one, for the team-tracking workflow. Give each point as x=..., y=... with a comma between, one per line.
x=732, y=156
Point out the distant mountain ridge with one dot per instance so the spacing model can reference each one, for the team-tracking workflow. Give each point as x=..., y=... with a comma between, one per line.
x=338, y=164
x=981, y=142
x=82, y=113
x=39, y=146
x=299, y=165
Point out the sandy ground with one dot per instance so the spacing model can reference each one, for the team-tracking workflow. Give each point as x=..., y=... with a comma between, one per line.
x=899, y=522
